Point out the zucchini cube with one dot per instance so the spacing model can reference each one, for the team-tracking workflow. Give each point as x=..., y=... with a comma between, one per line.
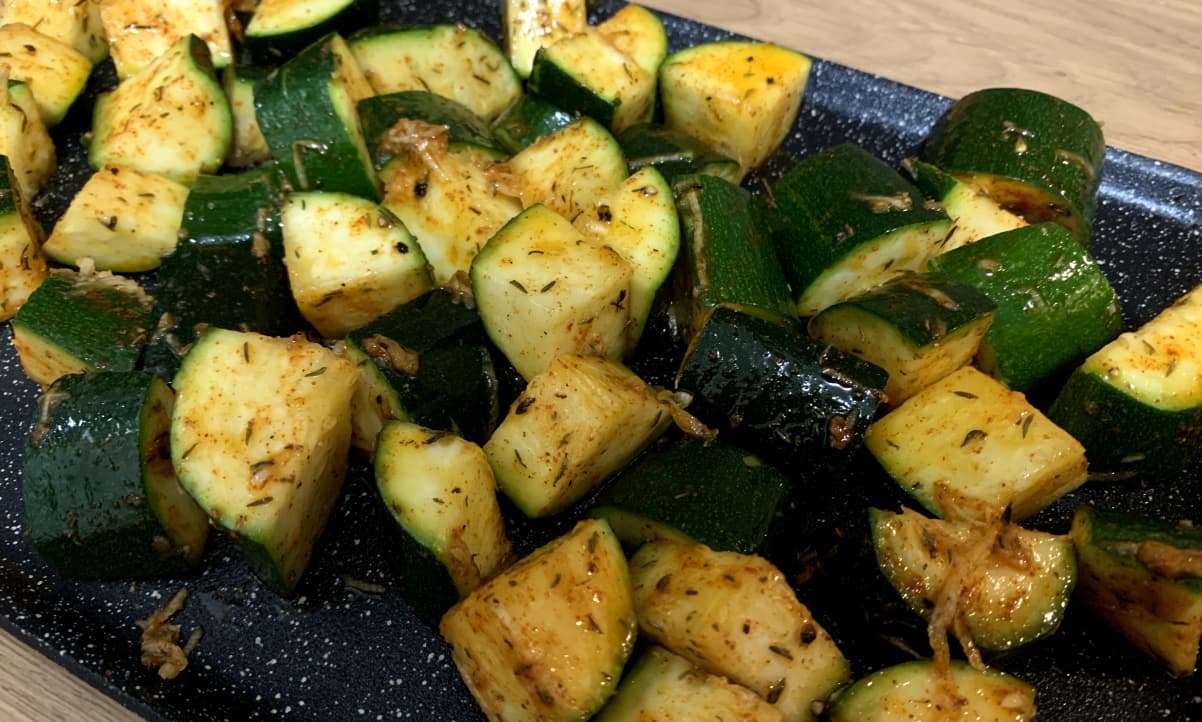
x=968, y=448
x=22, y=265
x=586, y=73
x=24, y=138
x=139, y=31
x=68, y=21
x=56, y=72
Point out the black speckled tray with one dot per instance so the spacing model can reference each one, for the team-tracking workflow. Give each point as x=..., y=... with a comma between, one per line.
x=335, y=653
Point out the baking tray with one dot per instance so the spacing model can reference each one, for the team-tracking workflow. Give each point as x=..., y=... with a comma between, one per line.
x=337, y=652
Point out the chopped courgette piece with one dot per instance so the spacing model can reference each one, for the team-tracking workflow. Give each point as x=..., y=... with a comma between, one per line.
x=526, y=120
x=664, y=687
x=22, y=265
x=543, y=290
x=306, y=112
x=911, y=691
x=577, y=422
x=674, y=154
x=139, y=31
x=639, y=34
x=1143, y=578
x=380, y=114
x=967, y=447
x=1009, y=585
x=248, y=147
x=56, y=72
x=778, y=392
x=76, y=322
x=532, y=24
x=711, y=493
x=67, y=21
x=123, y=219
x=259, y=437
x=974, y=214
x=846, y=222
x=1136, y=404
x=1033, y=153
x=24, y=138
x=281, y=28
x=736, y=615
x=586, y=74
x=738, y=97
x=349, y=260
x=101, y=500
x=1054, y=305
x=919, y=328
x=454, y=61
x=547, y=638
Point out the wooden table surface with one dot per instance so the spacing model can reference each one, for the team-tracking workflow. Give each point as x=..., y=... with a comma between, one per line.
x=1137, y=67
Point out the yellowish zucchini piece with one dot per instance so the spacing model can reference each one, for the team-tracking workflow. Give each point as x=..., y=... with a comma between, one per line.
x=914, y=691
x=577, y=422
x=543, y=290
x=587, y=74
x=248, y=146
x=967, y=447
x=664, y=687
x=24, y=138
x=22, y=265
x=349, y=260
x=122, y=219
x=70, y=22
x=547, y=638
x=531, y=24
x=639, y=34
x=56, y=72
x=569, y=170
x=736, y=615
x=450, y=201
x=138, y=31
x=738, y=97
x=259, y=438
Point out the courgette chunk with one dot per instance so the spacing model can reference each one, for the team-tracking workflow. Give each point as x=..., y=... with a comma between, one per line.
x=22, y=265
x=910, y=692
x=547, y=638
x=139, y=31
x=56, y=72
x=24, y=139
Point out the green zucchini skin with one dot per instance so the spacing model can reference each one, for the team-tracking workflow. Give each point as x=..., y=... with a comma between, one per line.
x=909, y=691
x=777, y=391
x=835, y=205
x=1037, y=154
x=728, y=255
x=673, y=153
x=1158, y=612
x=235, y=209
x=456, y=386
x=526, y=120
x=87, y=480
x=272, y=47
x=312, y=141
x=379, y=113
x=712, y=493
x=92, y=323
x=1054, y=306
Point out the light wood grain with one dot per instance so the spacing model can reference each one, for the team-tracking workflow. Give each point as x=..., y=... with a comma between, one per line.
x=1135, y=66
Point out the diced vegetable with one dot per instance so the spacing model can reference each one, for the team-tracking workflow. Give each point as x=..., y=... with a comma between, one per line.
x=910, y=691
x=532, y=24
x=22, y=265
x=585, y=73
x=139, y=31
x=281, y=28
x=24, y=138
x=56, y=72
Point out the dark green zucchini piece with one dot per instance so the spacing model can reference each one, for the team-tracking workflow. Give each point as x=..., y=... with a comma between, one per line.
x=527, y=119
x=973, y=212
x=1136, y=404
x=78, y=322
x=379, y=113
x=279, y=29
x=712, y=493
x=1054, y=305
x=586, y=74
x=846, y=222
x=1033, y=153
x=101, y=500
x=1143, y=578
x=673, y=153
x=306, y=112
x=777, y=391
x=431, y=362
x=919, y=328
x=728, y=255
x=440, y=491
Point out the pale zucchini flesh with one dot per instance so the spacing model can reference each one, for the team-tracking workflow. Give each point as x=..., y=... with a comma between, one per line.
x=22, y=264
x=569, y=170
x=639, y=34
x=967, y=447
x=259, y=437
x=547, y=638
x=171, y=118
x=543, y=290
x=123, y=219
x=576, y=423
x=56, y=72
x=70, y=22
x=441, y=490
x=453, y=61
x=532, y=24
x=739, y=98
x=138, y=31
x=910, y=692
x=450, y=202
x=736, y=615
x=248, y=146
x=24, y=138
x=349, y=260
